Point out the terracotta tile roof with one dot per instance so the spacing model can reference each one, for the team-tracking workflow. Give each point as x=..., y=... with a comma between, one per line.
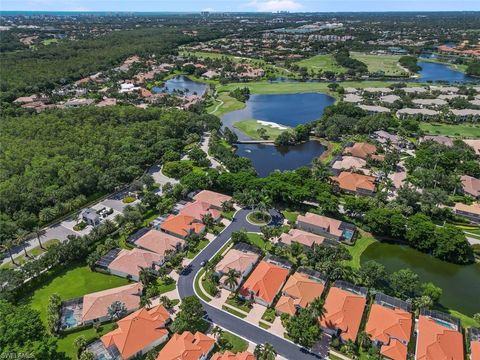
x=302, y=237
x=231, y=356
x=472, y=209
x=212, y=197
x=138, y=330
x=330, y=225
x=159, y=242
x=198, y=209
x=475, y=144
x=471, y=185
x=265, y=281
x=131, y=261
x=349, y=163
x=186, y=346
x=286, y=305
x=303, y=289
x=386, y=324
x=475, y=350
x=236, y=259
x=363, y=151
x=352, y=182
x=182, y=225
x=438, y=342
x=96, y=305
x=343, y=310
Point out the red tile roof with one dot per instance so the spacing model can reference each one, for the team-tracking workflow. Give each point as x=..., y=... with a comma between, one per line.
x=330, y=225
x=363, y=151
x=131, y=261
x=475, y=350
x=265, y=281
x=231, y=356
x=159, y=242
x=138, y=330
x=212, y=197
x=344, y=311
x=438, y=342
x=186, y=346
x=198, y=209
x=302, y=237
x=353, y=182
x=182, y=225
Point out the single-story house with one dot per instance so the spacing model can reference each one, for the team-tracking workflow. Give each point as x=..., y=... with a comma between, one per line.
x=420, y=113
x=385, y=138
x=445, y=89
x=227, y=355
x=363, y=150
x=389, y=326
x=438, y=337
x=349, y=163
x=374, y=109
x=264, y=283
x=474, y=338
x=378, y=90
x=474, y=144
x=187, y=346
x=198, y=209
x=356, y=184
x=465, y=114
x=441, y=139
x=213, y=198
x=299, y=291
x=160, y=242
x=414, y=90
x=344, y=308
x=326, y=226
x=471, y=186
x=390, y=99
x=182, y=225
x=435, y=103
x=305, y=238
x=239, y=259
x=138, y=332
x=471, y=212
x=128, y=263
x=352, y=98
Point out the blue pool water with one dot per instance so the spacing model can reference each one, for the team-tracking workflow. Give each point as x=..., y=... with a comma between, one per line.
x=348, y=234
x=70, y=320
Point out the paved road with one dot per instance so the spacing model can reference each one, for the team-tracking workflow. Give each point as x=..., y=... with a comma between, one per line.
x=224, y=319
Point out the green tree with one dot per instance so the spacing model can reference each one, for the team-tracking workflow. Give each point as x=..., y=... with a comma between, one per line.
x=80, y=343
x=452, y=246
x=231, y=279
x=304, y=328
x=53, y=313
x=147, y=277
x=264, y=352
x=372, y=273
x=190, y=316
x=404, y=283
x=317, y=307
x=420, y=232
x=116, y=310
x=432, y=291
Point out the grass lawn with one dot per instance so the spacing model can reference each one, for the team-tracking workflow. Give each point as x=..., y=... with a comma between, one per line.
x=464, y=319
x=264, y=325
x=163, y=288
x=386, y=63
x=463, y=130
x=20, y=260
x=256, y=239
x=238, y=303
x=251, y=127
x=192, y=253
x=234, y=312
x=227, y=102
x=237, y=343
x=228, y=214
x=357, y=250
x=323, y=63
x=269, y=315
x=69, y=283
x=197, y=287
x=332, y=149
x=290, y=215
x=65, y=343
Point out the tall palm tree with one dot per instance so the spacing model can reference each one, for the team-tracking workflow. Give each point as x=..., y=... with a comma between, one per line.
x=38, y=233
x=146, y=276
x=21, y=239
x=265, y=352
x=217, y=332
x=317, y=307
x=231, y=281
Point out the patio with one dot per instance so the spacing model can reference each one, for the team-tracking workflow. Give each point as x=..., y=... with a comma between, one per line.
x=100, y=352
x=71, y=314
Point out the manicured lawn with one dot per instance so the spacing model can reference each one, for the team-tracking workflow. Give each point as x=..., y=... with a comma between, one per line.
x=264, y=325
x=269, y=315
x=251, y=127
x=234, y=312
x=375, y=63
x=192, y=253
x=464, y=130
x=256, y=239
x=323, y=63
x=238, y=303
x=198, y=289
x=237, y=343
x=290, y=215
x=229, y=104
x=73, y=282
x=464, y=319
x=65, y=343
x=163, y=288
x=357, y=250
x=20, y=260
x=228, y=214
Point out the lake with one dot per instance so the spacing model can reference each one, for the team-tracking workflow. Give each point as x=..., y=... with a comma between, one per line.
x=183, y=84
x=268, y=158
x=441, y=72
x=460, y=283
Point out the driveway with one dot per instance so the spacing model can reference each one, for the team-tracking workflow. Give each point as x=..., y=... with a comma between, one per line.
x=233, y=324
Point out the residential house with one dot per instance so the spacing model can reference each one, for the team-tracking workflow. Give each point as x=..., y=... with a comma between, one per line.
x=390, y=99
x=227, y=355
x=349, y=163
x=389, y=326
x=444, y=140
x=445, y=89
x=429, y=103
x=363, y=150
x=128, y=263
x=353, y=183
x=378, y=90
x=471, y=212
x=414, y=90
x=182, y=225
x=241, y=258
x=264, y=283
x=438, y=337
x=198, y=209
x=474, y=144
x=474, y=338
x=160, y=242
x=465, y=114
x=374, y=109
x=417, y=113
x=138, y=332
x=387, y=139
x=300, y=290
x=74, y=103
x=325, y=226
x=95, y=305
x=352, y=98
x=344, y=308
x=471, y=186
x=307, y=239
x=107, y=102
x=187, y=346
x=213, y=198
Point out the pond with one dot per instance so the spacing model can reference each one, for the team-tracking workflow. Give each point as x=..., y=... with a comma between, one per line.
x=268, y=158
x=441, y=72
x=182, y=84
x=460, y=283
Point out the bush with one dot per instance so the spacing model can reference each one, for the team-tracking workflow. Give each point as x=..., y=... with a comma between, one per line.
x=128, y=199
x=80, y=226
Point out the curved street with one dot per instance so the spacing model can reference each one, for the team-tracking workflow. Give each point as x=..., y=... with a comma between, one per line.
x=222, y=318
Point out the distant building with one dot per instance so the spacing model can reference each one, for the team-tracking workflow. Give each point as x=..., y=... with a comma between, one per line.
x=91, y=217
x=325, y=226
x=471, y=212
x=356, y=184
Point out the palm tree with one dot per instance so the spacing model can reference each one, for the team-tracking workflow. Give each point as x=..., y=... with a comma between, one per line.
x=208, y=220
x=231, y=281
x=318, y=308
x=80, y=343
x=38, y=233
x=363, y=340
x=265, y=352
x=21, y=239
x=146, y=276
x=217, y=332
x=116, y=310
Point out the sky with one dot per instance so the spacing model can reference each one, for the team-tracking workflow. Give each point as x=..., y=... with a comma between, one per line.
x=240, y=5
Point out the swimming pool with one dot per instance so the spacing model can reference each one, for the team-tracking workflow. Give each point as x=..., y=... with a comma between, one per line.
x=348, y=234
x=69, y=319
